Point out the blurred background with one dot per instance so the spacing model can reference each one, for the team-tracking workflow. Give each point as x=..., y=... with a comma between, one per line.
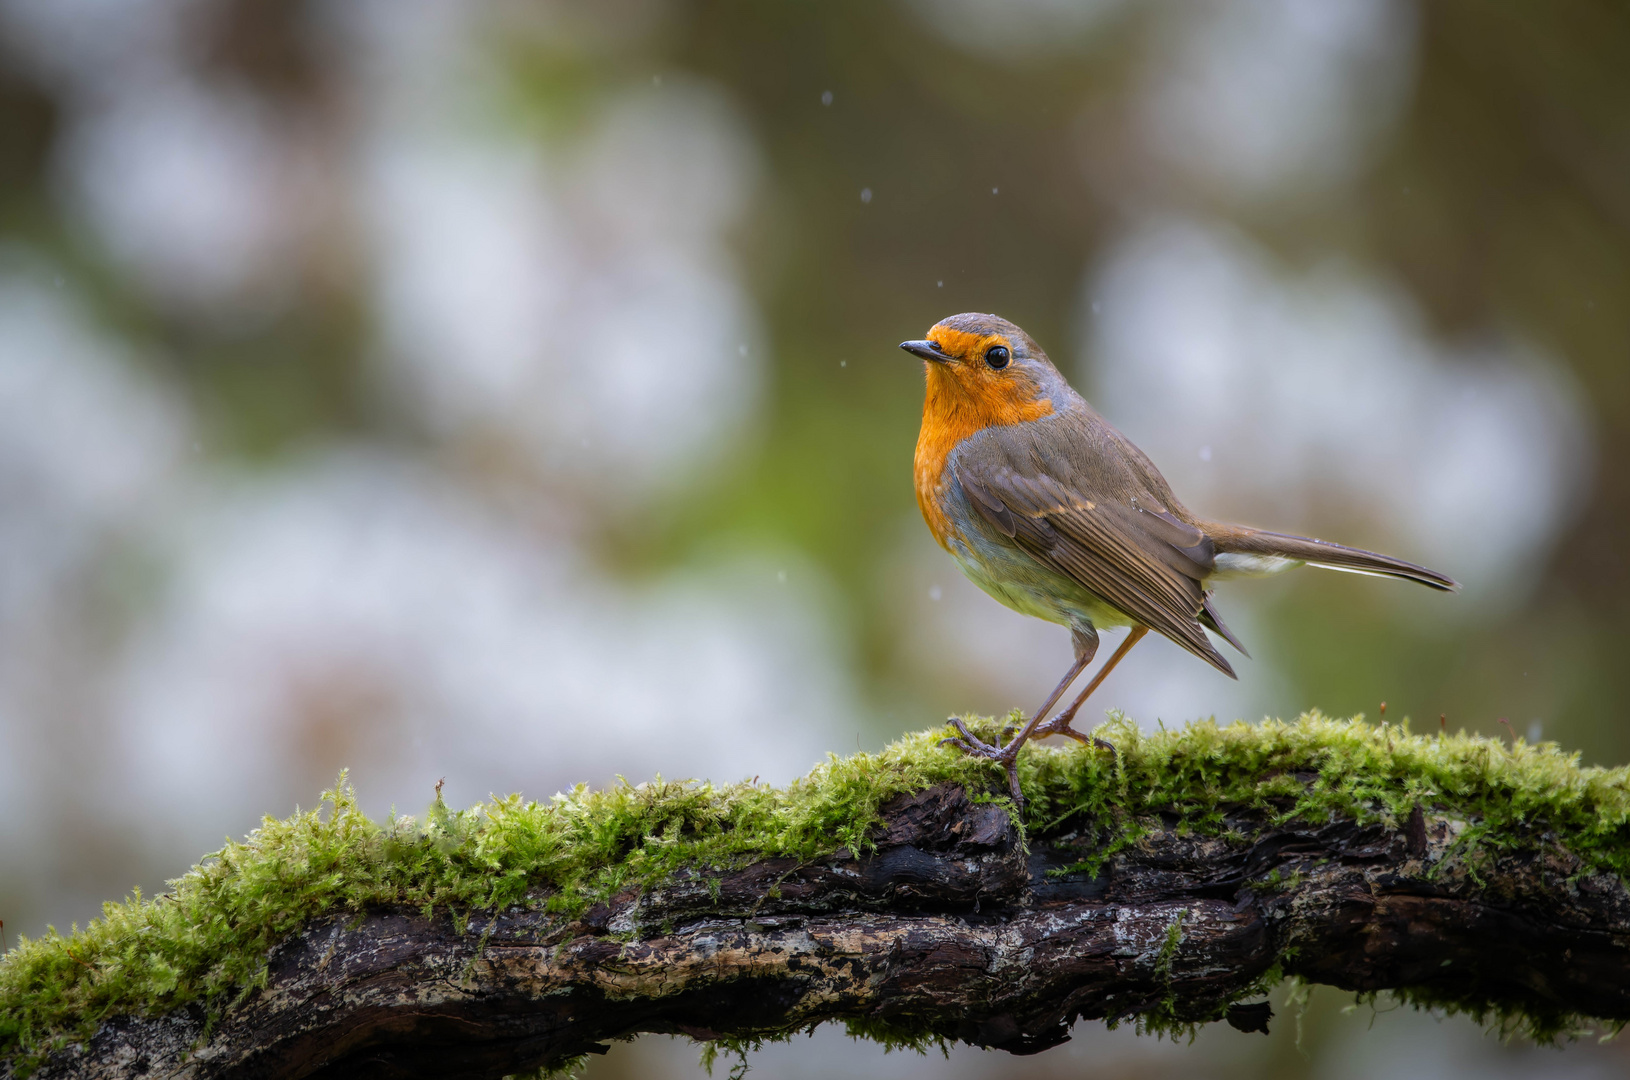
x=507, y=392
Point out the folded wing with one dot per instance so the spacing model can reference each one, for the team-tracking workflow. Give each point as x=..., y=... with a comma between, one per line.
x=1138, y=558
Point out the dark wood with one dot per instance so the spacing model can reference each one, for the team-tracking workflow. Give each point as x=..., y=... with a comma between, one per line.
x=951, y=926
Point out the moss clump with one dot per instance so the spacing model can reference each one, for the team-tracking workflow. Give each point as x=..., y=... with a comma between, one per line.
x=206, y=940
x=1318, y=767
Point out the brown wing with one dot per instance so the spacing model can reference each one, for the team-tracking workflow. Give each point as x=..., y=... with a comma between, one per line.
x=1141, y=559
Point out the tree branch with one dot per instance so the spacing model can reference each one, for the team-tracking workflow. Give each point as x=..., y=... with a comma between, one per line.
x=951, y=928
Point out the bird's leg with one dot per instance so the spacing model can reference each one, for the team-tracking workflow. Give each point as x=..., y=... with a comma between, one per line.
x=1060, y=724
x=1086, y=647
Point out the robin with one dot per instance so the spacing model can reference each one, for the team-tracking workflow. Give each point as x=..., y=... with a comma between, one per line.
x=1056, y=514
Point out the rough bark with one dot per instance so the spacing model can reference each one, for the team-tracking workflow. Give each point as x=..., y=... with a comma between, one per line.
x=951, y=927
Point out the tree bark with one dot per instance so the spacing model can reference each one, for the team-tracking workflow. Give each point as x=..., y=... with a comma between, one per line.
x=951, y=927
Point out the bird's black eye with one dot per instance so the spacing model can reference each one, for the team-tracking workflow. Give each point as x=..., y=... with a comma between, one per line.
x=997, y=357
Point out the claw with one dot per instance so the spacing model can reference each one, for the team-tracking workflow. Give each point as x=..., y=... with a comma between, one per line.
x=1006, y=756
x=1088, y=740
x=973, y=745
x=1013, y=782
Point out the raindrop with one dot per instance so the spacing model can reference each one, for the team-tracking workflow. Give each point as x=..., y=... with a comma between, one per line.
x=843, y=363
x=742, y=349
x=939, y=284
x=934, y=592
x=865, y=194
x=1095, y=307
x=1205, y=453
x=826, y=97
x=993, y=191
x=781, y=576
x=656, y=80
x=1534, y=731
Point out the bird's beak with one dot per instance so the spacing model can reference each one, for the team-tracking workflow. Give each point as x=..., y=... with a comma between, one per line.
x=925, y=349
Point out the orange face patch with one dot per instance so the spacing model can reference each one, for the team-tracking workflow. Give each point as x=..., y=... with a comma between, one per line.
x=965, y=396
x=961, y=343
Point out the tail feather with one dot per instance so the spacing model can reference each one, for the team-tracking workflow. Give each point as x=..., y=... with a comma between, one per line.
x=1238, y=540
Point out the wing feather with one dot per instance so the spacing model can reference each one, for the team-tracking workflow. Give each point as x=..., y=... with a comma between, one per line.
x=1142, y=560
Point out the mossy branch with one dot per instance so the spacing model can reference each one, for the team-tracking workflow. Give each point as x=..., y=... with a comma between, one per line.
x=1168, y=886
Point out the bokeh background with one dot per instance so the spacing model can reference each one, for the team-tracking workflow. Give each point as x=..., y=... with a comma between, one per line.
x=506, y=392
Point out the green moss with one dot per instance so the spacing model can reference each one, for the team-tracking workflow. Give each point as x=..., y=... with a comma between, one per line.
x=1168, y=948
x=205, y=940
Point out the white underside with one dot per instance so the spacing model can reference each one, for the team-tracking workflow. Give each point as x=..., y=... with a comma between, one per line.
x=1234, y=564
x=1019, y=582
x=1351, y=570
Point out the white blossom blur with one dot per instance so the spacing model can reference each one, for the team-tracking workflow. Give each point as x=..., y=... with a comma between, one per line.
x=193, y=191
x=89, y=445
x=1272, y=97
x=87, y=439
x=358, y=612
x=1015, y=30
x=584, y=308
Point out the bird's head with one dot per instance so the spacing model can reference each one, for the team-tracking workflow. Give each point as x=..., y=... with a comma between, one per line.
x=985, y=363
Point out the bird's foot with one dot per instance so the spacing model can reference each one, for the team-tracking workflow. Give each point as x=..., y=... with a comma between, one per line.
x=1060, y=725
x=972, y=745
x=1006, y=756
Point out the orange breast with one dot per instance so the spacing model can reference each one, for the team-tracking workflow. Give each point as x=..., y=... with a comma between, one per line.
x=963, y=400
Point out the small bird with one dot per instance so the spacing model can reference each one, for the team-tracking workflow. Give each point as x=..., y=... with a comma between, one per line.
x=1056, y=514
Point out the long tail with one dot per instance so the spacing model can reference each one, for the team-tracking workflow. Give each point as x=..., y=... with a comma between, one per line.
x=1243, y=550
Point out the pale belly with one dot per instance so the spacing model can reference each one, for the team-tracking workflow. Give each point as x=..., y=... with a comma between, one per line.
x=992, y=561
x=1014, y=579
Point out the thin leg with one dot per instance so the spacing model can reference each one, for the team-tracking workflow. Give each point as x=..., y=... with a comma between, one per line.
x=1060, y=724
x=1086, y=647
x=1070, y=676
